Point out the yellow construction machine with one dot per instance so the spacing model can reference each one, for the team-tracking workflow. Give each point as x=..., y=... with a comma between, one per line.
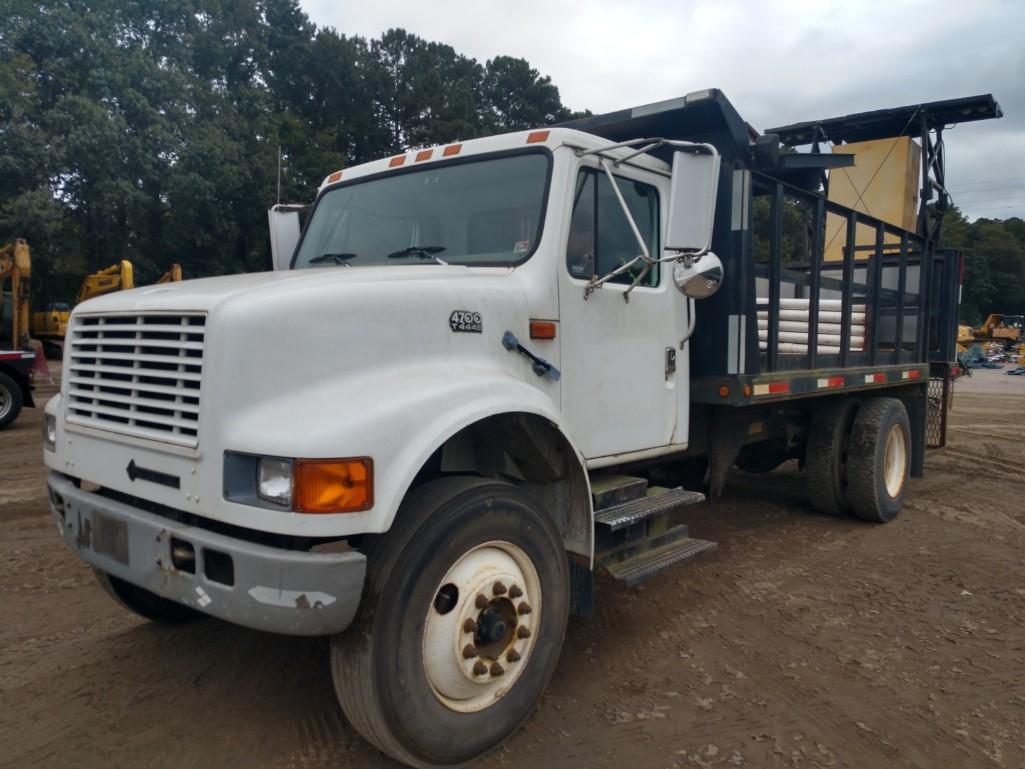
x=15, y=267
x=51, y=325
x=1003, y=329
x=965, y=337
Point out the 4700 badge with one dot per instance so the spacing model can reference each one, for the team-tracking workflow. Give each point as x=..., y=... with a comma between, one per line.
x=466, y=321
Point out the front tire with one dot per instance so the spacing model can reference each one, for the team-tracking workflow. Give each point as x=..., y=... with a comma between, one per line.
x=144, y=603
x=462, y=619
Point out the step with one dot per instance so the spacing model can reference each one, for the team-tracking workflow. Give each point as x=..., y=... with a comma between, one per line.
x=628, y=513
x=632, y=571
x=610, y=490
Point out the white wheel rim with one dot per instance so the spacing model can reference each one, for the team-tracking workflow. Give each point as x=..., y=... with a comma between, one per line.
x=467, y=668
x=895, y=459
x=5, y=401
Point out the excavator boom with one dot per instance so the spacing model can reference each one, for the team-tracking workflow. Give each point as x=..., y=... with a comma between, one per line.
x=16, y=265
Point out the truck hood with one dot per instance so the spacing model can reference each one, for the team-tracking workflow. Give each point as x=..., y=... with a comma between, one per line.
x=207, y=294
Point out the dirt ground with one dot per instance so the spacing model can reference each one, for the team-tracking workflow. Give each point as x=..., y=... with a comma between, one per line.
x=803, y=641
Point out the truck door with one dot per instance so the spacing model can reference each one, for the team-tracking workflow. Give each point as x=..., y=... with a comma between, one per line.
x=618, y=393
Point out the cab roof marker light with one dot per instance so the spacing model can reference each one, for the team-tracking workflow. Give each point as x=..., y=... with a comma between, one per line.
x=452, y=149
x=396, y=161
x=424, y=155
x=696, y=96
x=333, y=177
x=536, y=137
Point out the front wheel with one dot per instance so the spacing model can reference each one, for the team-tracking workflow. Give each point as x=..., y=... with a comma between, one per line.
x=462, y=620
x=144, y=603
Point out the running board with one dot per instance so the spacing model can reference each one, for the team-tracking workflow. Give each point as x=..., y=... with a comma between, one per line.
x=637, y=510
x=632, y=571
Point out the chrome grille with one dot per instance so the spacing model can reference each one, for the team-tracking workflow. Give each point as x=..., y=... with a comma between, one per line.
x=137, y=374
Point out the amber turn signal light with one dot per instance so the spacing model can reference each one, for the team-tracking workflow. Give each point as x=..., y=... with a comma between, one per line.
x=333, y=485
x=542, y=329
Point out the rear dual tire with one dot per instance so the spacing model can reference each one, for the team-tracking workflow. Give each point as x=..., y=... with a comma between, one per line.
x=403, y=673
x=879, y=459
x=858, y=458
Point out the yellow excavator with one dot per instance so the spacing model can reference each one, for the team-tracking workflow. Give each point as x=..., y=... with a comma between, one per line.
x=51, y=325
x=15, y=267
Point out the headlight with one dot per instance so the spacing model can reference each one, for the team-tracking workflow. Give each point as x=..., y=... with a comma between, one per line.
x=50, y=432
x=274, y=480
x=300, y=485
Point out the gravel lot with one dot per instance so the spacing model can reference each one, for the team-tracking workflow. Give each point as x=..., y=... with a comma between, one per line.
x=803, y=641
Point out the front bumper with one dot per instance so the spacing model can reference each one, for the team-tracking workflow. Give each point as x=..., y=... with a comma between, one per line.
x=272, y=589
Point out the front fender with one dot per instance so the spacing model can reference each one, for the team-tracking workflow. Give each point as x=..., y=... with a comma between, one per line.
x=399, y=418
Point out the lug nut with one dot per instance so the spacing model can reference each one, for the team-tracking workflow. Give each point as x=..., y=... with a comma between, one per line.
x=469, y=651
x=496, y=670
x=482, y=601
x=512, y=656
x=498, y=588
x=479, y=668
x=524, y=608
x=515, y=592
x=469, y=626
x=523, y=632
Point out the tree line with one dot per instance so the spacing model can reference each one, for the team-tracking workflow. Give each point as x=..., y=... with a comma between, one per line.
x=151, y=130
x=994, y=254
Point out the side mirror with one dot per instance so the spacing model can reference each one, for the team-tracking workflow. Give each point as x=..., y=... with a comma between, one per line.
x=692, y=201
x=698, y=277
x=284, y=233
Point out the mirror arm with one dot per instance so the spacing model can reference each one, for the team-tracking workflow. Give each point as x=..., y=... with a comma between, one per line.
x=691, y=322
x=645, y=255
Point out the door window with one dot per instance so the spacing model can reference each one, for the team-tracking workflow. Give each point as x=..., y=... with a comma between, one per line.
x=600, y=237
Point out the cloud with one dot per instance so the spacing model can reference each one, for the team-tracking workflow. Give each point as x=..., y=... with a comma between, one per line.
x=779, y=61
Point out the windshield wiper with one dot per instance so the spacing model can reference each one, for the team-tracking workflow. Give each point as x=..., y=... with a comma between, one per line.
x=336, y=258
x=424, y=252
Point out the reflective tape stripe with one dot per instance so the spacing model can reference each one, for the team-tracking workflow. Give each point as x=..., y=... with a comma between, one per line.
x=772, y=388
x=833, y=381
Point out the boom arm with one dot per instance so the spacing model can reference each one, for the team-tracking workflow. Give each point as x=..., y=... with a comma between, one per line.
x=16, y=264
x=114, y=278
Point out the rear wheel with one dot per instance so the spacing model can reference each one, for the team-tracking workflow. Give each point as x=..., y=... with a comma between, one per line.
x=143, y=602
x=825, y=459
x=879, y=460
x=462, y=620
x=10, y=400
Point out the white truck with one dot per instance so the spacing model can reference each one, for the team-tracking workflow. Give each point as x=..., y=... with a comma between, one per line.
x=479, y=376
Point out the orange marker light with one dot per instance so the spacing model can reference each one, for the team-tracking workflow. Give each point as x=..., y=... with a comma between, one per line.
x=398, y=160
x=542, y=329
x=424, y=155
x=724, y=391
x=452, y=149
x=537, y=136
x=334, y=177
x=333, y=485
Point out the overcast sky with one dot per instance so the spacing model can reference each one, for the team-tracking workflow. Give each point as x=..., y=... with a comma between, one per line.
x=779, y=61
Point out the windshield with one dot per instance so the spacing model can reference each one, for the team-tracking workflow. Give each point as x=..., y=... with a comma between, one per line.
x=479, y=212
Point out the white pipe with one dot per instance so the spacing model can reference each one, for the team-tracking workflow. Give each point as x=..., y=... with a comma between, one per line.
x=828, y=317
x=800, y=325
x=790, y=347
x=804, y=304
x=792, y=336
